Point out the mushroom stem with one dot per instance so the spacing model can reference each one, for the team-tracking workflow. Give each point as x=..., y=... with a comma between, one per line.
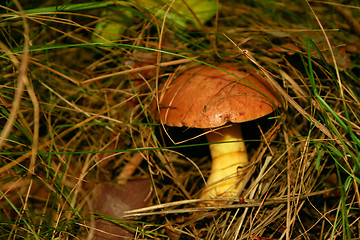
x=228, y=162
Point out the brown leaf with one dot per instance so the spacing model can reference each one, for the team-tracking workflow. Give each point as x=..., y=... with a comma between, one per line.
x=113, y=200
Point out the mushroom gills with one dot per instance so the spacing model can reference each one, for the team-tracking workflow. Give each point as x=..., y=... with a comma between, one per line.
x=229, y=159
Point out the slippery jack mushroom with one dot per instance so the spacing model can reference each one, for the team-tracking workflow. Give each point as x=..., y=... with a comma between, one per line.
x=212, y=99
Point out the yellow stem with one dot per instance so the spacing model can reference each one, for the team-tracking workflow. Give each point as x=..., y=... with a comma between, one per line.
x=228, y=162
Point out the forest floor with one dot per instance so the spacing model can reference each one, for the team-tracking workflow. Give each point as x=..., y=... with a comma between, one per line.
x=84, y=155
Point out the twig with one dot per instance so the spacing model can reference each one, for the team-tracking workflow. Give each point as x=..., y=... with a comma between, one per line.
x=165, y=64
x=248, y=203
x=129, y=168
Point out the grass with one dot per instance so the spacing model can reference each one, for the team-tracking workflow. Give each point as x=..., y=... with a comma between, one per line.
x=75, y=114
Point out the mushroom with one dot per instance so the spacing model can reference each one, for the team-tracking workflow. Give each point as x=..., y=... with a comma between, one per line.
x=212, y=99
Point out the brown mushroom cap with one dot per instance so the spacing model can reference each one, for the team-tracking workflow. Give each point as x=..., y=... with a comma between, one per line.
x=206, y=97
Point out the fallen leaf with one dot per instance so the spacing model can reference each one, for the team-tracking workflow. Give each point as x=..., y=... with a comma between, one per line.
x=113, y=200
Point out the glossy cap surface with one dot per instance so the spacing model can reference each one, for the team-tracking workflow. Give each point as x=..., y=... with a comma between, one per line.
x=206, y=97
